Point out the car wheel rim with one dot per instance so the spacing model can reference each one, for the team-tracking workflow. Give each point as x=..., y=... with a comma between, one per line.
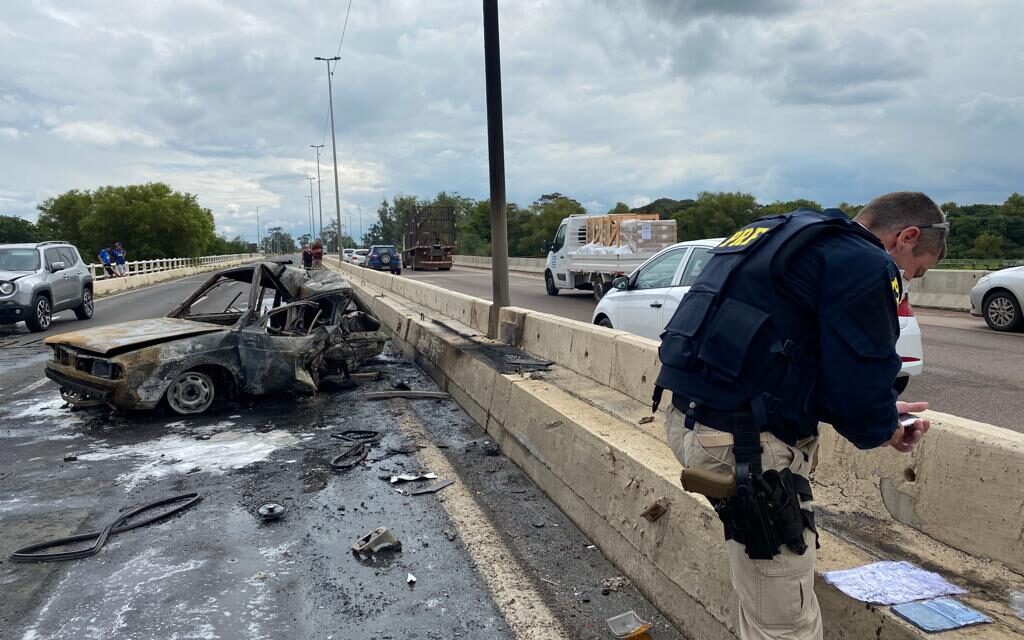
x=1001, y=311
x=87, y=302
x=43, y=313
x=191, y=393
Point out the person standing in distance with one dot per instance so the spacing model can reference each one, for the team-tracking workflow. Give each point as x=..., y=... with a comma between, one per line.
x=119, y=254
x=792, y=322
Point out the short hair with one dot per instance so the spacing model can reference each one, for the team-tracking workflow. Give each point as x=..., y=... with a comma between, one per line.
x=896, y=211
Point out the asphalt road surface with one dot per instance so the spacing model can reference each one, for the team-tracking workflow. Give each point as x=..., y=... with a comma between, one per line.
x=969, y=370
x=491, y=556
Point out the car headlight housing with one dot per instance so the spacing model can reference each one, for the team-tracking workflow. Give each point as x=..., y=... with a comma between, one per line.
x=6, y=288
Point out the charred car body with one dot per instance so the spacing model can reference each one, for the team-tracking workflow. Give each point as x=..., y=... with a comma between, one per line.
x=256, y=329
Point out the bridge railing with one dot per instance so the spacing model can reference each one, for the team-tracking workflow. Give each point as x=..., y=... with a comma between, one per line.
x=139, y=267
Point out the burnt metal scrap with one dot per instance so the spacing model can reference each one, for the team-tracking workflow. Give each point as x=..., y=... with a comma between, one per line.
x=256, y=329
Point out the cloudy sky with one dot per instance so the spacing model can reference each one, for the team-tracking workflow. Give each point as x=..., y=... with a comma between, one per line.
x=605, y=100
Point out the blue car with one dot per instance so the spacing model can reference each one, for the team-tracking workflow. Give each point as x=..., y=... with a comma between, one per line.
x=384, y=257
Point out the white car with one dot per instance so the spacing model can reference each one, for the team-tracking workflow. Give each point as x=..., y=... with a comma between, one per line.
x=359, y=257
x=644, y=302
x=998, y=296
x=346, y=255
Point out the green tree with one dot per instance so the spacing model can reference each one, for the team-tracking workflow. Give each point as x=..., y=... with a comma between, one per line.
x=529, y=229
x=1013, y=207
x=152, y=220
x=715, y=214
x=15, y=229
x=988, y=245
x=620, y=207
x=779, y=207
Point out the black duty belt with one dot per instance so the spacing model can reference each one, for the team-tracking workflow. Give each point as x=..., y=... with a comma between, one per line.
x=728, y=421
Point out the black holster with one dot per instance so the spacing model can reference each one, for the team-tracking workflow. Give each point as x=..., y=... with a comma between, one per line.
x=765, y=512
x=768, y=515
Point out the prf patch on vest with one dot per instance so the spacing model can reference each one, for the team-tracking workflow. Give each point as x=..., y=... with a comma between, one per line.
x=896, y=283
x=748, y=236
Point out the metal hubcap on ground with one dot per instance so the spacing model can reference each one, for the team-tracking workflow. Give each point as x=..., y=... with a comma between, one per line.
x=43, y=312
x=1001, y=311
x=191, y=392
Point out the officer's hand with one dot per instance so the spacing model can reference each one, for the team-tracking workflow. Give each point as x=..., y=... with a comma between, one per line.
x=906, y=438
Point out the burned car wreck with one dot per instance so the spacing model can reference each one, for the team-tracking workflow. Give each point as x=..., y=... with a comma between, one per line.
x=257, y=329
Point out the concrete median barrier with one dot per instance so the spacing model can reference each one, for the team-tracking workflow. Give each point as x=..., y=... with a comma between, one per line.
x=576, y=431
x=517, y=265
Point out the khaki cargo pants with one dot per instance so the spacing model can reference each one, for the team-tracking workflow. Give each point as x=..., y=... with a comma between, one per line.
x=776, y=597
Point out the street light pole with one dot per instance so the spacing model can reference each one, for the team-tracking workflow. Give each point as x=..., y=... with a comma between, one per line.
x=309, y=212
x=334, y=146
x=259, y=247
x=312, y=226
x=496, y=161
x=319, y=189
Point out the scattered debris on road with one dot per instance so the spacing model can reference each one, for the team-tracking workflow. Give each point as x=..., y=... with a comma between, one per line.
x=366, y=436
x=646, y=419
x=433, y=488
x=410, y=579
x=71, y=458
x=123, y=523
x=408, y=395
x=490, y=448
x=401, y=385
x=270, y=511
x=614, y=584
x=628, y=625
x=377, y=540
x=413, y=477
x=350, y=456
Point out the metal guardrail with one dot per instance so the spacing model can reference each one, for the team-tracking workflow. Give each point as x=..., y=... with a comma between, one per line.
x=139, y=267
x=978, y=263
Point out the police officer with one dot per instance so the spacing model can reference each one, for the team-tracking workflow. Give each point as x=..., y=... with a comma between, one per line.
x=792, y=321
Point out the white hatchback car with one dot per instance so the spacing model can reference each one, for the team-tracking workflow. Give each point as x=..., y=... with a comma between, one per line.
x=359, y=257
x=645, y=302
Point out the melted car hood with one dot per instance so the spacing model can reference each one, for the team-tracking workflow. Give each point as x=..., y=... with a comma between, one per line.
x=125, y=336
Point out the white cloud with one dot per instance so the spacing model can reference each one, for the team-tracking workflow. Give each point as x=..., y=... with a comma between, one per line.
x=103, y=134
x=622, y=100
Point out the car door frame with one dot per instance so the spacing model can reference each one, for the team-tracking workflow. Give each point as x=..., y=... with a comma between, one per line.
x=61, y=284
x=678, y=290
x=645, y=305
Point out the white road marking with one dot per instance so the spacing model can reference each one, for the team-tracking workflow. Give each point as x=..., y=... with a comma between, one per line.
x=32, y=387
x=524, y=609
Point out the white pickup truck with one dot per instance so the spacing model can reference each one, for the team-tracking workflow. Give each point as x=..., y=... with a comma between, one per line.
x=575, y=262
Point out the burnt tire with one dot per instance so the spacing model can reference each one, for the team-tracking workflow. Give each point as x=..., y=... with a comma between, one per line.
x=42, y=314
x=85, y=310
x=190, y=393
x=549, y=284
x=1002, y=311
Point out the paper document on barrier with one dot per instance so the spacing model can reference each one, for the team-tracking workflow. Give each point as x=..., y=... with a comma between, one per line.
x=890, y=583
x=940, y=614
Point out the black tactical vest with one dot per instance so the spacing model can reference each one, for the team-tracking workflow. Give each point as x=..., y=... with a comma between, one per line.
x=739, y=341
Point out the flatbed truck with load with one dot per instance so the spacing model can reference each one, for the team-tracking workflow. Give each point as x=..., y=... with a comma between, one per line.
x=429, y=239
x=589, y=252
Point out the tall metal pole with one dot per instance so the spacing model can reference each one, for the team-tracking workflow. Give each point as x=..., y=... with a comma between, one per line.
x=360, y=225
x=496, y=161
x=334, y=147
x=319, y=190
x=312, y=225
x=259, y=249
